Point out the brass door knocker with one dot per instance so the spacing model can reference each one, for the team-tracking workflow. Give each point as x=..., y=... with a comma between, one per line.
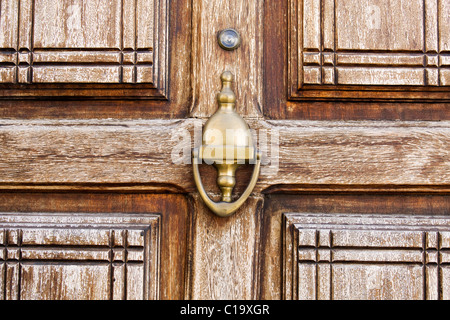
x=227, y=143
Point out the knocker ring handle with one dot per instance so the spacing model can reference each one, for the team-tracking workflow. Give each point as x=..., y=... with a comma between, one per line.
x=224, y=209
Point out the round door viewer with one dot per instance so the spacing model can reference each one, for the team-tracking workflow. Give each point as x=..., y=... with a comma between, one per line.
x=229, y=39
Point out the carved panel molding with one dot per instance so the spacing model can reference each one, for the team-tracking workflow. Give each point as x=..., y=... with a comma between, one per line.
x=340, y=46
x=79, y=256
x=114, y=44
x=366, y=257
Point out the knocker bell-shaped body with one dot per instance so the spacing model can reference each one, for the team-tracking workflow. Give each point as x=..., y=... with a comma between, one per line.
x=227, y=143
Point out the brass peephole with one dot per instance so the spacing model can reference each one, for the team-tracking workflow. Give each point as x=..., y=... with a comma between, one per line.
x=227, y=143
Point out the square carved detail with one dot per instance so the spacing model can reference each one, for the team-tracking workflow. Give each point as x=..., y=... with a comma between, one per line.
x=79, y=256
x=357, y=257
x=370, y=45
x=68, y=44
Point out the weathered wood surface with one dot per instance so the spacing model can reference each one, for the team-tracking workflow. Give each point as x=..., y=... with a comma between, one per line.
x=397, y=212
x=116, y=31
x=356, y=60
x=340, y=42
x=79, y=256
x=61, y=49
x=209, y=18
x=225, y=252
x=354, y=257
x=103, y=155
x=48, y=241
x=64, y=154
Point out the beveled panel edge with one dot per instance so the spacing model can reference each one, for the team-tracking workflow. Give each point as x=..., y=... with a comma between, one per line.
x=297, y=91
x=89, y=88
x=425, y=226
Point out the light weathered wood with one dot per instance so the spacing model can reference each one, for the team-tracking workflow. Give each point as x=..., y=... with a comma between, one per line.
x=89, y=25
x=139, y=152
x=79, y=24
x=370, y=148
x=411, y=210
x=57, y=233
x=80, y=256
x=365, y=257
x=370, y=27
x=209, y=60
x=40, y=35
x=380, y=25
x=225, y=252
x=444, y=25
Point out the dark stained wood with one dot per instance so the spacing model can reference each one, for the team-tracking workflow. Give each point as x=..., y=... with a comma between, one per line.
x=283, y=99
x=105, y=150
x=94, y=100
x=66, y=153
x=173, y=210
x=363, y=203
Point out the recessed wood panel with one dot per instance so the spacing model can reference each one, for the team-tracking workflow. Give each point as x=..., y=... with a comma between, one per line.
x=366, y=257
x=356, y=60
x=355, y=245
x=370, y=43
x=88, y=32
x=77, y=24
x=85, y=42
x=78, y=256
x=121, y=246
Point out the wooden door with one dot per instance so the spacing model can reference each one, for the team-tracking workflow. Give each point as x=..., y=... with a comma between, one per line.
x=100, y=104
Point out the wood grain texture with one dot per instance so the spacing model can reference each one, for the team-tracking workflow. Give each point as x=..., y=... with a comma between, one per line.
x=209, y=60
x=225, y=252
x=57, y=256
x=360, y=257
x=37, y=209
x=364, y=204
x=369, y=84
x=95, y=26
x=108, y=149
x=139, y=152
x=128, y=100
x=363, y=29
x=89, y=64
